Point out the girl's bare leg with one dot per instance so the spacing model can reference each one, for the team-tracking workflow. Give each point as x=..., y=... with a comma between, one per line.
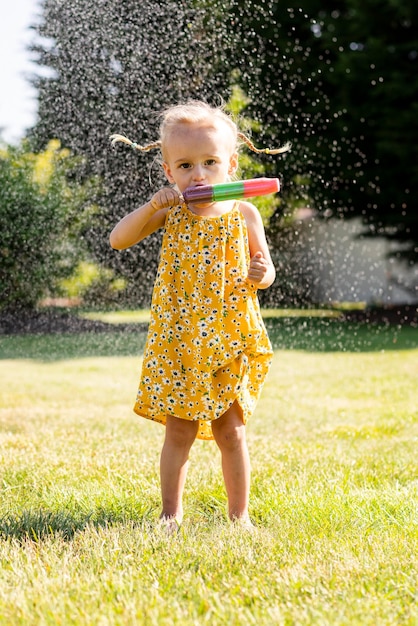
x=229, y=434
x=179, y=437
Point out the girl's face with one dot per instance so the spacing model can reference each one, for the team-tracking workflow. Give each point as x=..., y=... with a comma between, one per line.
x=200, y=155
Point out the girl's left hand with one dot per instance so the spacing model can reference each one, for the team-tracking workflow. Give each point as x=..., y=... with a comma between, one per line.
x=258, y=268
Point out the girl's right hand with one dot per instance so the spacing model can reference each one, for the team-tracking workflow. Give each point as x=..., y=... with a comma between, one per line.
x=165, y=198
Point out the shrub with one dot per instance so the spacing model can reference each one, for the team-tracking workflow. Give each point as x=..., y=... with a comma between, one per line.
x=41, y=213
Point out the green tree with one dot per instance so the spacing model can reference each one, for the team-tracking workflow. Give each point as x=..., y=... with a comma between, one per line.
x=376, y=80
x=339, y=78
x=41, y=216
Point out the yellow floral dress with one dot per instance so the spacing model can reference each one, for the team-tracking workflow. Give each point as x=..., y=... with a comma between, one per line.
x=207, y=345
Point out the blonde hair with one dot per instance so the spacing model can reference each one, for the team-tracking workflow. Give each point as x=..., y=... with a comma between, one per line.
x=195, y=112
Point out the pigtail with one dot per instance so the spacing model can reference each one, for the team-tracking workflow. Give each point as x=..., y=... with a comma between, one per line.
x=252, y=147
x=135, y=146
x=157, y=144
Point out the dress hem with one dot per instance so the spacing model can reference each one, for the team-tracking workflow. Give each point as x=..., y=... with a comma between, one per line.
x=202, y=423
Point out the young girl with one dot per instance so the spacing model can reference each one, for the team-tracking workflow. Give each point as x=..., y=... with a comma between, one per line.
x=207, y=351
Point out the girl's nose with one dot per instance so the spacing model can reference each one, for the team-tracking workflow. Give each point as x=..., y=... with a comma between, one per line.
x=198, y=173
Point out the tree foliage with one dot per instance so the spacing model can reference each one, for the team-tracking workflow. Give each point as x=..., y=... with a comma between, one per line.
x=339, y=78
x=41, y=216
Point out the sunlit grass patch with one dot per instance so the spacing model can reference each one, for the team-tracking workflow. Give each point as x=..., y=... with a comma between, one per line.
x=304, y=313
x=334, y=491
x=118, y=317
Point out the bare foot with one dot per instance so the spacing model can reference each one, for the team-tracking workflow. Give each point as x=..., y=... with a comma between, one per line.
x=243, y=522
x=170, y=525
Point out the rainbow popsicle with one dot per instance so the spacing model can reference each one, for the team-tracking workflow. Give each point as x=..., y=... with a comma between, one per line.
x=234, y=190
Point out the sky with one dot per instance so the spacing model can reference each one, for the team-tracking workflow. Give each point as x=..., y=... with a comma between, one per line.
x=17, y=97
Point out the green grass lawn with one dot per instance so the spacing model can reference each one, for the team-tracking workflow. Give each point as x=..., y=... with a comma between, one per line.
x=334, y=495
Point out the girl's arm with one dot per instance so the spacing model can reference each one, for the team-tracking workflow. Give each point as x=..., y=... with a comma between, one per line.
x=261, y=271
x=137, y=225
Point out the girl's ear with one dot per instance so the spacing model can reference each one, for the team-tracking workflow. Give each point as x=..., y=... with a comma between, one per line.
x=167, y=172
x=233, y=163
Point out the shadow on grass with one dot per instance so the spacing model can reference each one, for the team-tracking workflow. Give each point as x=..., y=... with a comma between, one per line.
x=316, y=334
x=37, y=525
x=66, y=346
x=310, y=334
